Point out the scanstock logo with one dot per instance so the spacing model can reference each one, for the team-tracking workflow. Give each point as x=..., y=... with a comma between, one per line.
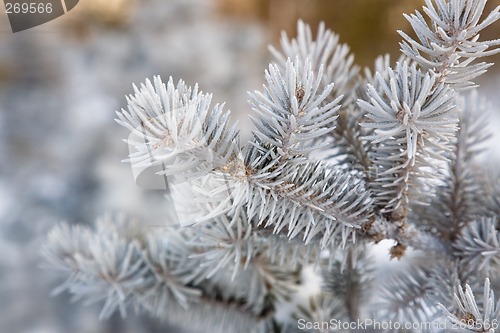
x=26, y=14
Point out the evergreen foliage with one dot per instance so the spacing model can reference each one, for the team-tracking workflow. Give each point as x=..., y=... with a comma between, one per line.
x=339, y=159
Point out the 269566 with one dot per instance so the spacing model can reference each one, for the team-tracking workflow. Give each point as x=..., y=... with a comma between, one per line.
x=28, y=7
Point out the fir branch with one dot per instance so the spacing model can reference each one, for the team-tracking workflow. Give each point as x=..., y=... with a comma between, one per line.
x=313, y=200
x=231, y=245
x=333, y=59
x=412, y=296
x=284, y=251
x=149, y=271
x=449, y=43
x=111, y=268
x=347, y=276
x=225, y=243
x=459, y=199
x=264, y=211
x=349, y=147
x=313, y=197
x=350, y=150
x=319, y=311
x=413, y=124
x=173, y=126
x=471, y=316
x=324, y=51
x=381, y=66
x=478, y=245
x=293, y=111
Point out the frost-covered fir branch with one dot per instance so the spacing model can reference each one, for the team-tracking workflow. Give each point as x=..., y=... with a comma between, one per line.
x=413, y=295
x=158, y=271
x=323, y=51
x=461, y=198
x=338, y=161
x=413, y=124
x=478, y=245
x=449, y=43
x=471, y=315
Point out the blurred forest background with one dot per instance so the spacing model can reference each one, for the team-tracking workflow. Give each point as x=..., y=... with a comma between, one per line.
x=61, y=82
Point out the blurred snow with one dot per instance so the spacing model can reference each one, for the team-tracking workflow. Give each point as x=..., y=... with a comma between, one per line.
x=60, y=149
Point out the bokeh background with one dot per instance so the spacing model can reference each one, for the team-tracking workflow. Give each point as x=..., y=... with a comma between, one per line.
x=60, y=149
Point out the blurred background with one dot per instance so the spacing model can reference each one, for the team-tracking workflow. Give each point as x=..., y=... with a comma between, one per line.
x=61, y=82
